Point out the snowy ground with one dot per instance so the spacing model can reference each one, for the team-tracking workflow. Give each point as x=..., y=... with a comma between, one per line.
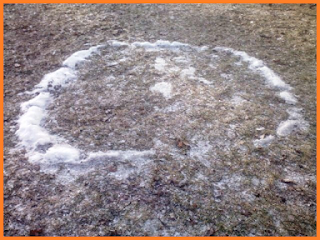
x=144, y=131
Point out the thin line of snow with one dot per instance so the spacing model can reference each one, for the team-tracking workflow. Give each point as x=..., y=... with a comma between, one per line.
x=58, y=153
x=258, y=66
x=32, y=135
x=80, y=56
x=164, y=88
x=288, y=97
x=41, y=101
x=295, y=122
x=161, y=44
x=60, y=77
x=119, y=154
x=116, y=43
x=30, y=132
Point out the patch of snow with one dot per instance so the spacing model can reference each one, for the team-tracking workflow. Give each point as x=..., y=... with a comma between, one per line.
x=116, y=43
x=189, y=72
x=200, y=150
x=181, y=59
x=237, y=100
x=130, y=154
x=258, y=66
x=226, y=76
x=30, y=133
x=212, y=66
x=80, y=56
x=111, y=64
x=295, y=122
x=288, y=97
x=294, y=113
x=255, y=181
x=174, y=69
x=41, y=101
x=173, y=108
x=61, y=77
x=205, y=81
x=287, y=127
x=263, y=142
x=31, y=136
x=164, y=88
x=239, y=63
x=62, y=153
x=160, y=64
x=161, y=44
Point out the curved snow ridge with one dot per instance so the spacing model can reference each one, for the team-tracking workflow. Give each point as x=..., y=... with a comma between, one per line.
x=258, y=66
x=272, y=79
x=158, y=45
x=33, y=136
x=30, y=132
x=295, y=122
x=270, y=76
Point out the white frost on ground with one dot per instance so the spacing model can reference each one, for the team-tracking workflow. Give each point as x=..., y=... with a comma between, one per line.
x=131, y=161
x=237, y=100
x=164, y=88
x=200, y=150
x=263, y=141
x=181, y=59
x=188, y=73
x=160, y=64
x=130, y=154
x=116, y=43
x=205, y=81
x=226, y=76
x=161, y=44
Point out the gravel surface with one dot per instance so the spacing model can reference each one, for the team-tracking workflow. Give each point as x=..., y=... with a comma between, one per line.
x=185, y=140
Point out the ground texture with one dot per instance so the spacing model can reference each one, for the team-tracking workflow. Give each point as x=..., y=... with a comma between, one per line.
x=174, y=141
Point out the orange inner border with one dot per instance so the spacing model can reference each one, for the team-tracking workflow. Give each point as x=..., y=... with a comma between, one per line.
x=135, y=1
